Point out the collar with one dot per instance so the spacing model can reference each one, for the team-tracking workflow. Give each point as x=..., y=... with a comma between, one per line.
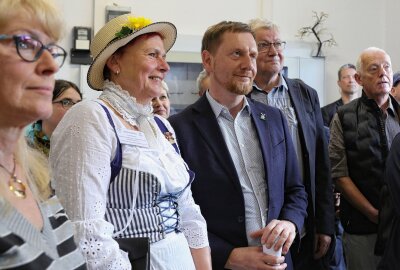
x=125, y=104
x=390, y=109
x=282, y=85
x=218, y=108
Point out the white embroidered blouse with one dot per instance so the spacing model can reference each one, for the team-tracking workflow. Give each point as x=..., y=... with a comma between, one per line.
x=82, y=147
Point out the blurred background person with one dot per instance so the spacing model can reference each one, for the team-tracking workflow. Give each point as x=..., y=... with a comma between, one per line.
x=65, y=95
x=161, y=104
x=156, y=201
x=203, y=82
x=348, y=91
x=35, y=232
x=395, y=91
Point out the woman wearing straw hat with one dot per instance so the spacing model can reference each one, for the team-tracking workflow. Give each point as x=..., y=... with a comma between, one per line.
x=117, y=175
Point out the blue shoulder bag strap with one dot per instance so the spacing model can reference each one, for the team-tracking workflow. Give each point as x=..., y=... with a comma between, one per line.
x=116, y=163
x=164, y=130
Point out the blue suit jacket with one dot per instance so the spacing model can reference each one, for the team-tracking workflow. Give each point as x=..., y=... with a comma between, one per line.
x=217, y=187
x=317, y=176
x=316, y=165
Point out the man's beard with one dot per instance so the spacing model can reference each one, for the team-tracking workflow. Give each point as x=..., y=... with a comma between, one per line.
x=236, y=87
x=240, y=88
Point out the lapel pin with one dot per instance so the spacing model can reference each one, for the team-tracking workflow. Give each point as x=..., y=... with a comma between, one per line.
x=262, y=116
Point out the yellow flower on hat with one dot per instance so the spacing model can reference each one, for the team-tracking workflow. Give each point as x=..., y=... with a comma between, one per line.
x=137, y=23
x=133, y=24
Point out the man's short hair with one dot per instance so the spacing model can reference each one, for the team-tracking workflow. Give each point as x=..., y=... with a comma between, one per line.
x=359, y=64
x=256, y=24
x=212, y=37
x=345, y=66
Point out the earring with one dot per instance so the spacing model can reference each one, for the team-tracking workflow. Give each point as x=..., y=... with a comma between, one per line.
x=117, y=72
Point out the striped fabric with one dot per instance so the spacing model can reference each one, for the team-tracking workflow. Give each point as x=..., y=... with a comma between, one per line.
x=147, y=221
x=22, y=246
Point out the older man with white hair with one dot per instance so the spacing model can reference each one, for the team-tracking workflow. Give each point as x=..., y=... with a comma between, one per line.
x=361, y=135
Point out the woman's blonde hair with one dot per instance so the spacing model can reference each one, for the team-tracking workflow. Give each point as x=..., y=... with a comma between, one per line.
x=44, y=11
x=34, y=165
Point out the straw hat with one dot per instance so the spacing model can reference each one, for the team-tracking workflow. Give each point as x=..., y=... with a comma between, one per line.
x=105, y=43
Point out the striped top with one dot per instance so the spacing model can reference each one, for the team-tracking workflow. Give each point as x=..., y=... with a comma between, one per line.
x=146, y=220
x=22, y=246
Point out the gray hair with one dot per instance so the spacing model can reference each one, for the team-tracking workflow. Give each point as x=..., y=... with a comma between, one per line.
x=344, y=67
x=202, y=75
x=359, y=64
x=164, y=86
x=257, y=24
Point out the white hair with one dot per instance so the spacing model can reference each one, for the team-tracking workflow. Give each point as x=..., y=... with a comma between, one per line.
x=165, y=86
x=359, y=63
x=202, y=75
x=256, y=24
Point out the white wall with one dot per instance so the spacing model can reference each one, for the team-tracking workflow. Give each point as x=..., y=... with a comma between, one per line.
x=355, y=24
x=391, y=30
x=76, y=13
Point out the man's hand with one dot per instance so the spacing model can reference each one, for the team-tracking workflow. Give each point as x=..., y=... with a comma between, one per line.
x=321, y=245
x=283, y=230
x=251, y=258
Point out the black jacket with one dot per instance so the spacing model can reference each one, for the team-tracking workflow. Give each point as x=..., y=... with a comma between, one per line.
x=366, y=145
x=329, y=111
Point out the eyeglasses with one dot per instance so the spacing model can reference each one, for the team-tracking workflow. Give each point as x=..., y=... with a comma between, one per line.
x=66, y=103
x=30, y=48
x=266, y=46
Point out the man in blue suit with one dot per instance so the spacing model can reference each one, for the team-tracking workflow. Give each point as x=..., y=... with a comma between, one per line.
x=299, y=103
x=247, y=180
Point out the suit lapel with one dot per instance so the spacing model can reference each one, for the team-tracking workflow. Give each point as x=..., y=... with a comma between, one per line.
x=298, y=104
x=260, y=119
x=296, y=99
x=206, y=123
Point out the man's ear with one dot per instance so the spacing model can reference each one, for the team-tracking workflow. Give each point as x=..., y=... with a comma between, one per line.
x=358, y=78
x=206, y=58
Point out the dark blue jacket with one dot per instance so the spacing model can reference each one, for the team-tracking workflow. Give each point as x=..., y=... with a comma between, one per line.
x=329, y=111
x=316, y=165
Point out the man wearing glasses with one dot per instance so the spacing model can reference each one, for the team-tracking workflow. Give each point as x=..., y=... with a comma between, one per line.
x=299, y=103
